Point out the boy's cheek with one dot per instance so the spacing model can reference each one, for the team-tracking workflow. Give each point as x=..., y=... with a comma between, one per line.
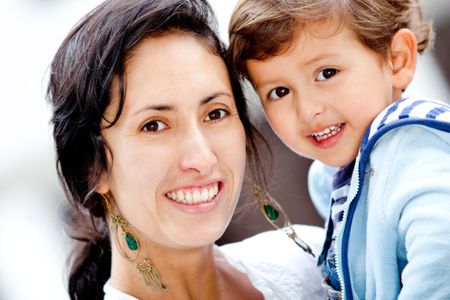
x=285, y=130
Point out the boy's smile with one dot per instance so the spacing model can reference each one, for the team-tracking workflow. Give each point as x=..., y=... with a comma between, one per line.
x=328, y=132
x=322, y=94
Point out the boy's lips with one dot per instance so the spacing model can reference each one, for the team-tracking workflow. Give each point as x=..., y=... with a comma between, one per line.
x=327, y=132
x=328, y=137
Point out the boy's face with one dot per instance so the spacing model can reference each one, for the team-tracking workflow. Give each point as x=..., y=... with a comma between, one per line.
x=322, y=94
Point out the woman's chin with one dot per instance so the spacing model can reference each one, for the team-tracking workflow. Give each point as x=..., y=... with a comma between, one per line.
x=201, y=238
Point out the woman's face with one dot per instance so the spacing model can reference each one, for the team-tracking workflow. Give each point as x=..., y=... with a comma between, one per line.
x=178, y=149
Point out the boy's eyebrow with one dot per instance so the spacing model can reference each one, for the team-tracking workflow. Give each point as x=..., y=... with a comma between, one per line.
x=261, y=84
x=315, y=58
x=308, y=61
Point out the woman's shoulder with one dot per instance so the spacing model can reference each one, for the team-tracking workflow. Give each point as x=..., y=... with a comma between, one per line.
x=112, y=293
x=268, y=241
x=277, y=266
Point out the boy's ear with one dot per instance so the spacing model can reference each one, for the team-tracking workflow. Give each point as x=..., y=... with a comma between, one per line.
x=402, y=58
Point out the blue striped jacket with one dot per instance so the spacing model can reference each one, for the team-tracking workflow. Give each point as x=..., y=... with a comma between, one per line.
x=395, y=238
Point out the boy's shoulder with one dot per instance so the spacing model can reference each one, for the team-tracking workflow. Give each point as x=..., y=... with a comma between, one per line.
x=413, y=135
x=410, y=111
x=401, y=134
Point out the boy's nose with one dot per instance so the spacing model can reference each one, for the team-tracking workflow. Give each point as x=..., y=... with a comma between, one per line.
x=307, y=108
x=197, y=153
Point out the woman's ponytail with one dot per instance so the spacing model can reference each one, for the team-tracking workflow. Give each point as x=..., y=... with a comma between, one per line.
x=90, y=260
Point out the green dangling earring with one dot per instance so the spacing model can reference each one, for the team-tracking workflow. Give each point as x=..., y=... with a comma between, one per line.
x=128, y=238
x=131, y=241
x=146, y=267
x=272, y=211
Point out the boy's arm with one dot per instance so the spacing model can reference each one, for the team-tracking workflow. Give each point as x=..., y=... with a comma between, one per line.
x=320, y=178
x=418, y=196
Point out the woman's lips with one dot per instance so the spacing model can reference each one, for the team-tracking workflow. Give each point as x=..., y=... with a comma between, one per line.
x=196, y=194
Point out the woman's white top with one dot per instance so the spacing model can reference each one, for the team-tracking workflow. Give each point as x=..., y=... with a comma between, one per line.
x=275, y=265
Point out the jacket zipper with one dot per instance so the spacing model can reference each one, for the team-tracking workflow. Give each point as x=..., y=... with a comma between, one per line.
x=340, y=239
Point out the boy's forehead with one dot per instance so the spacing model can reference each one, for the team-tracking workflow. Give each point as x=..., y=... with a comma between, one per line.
x=328, y=39
x=319, y=32
x=324, y=28
x=310, y=35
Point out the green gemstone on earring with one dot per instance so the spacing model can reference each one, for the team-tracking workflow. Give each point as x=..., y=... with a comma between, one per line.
x=131, y=241
x=271, y=212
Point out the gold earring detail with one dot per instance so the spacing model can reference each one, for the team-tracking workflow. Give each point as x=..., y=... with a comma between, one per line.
x=275, y=215
x=146, y=268
x=151, y=276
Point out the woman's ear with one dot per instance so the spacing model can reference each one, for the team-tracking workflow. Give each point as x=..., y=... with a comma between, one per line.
x=402, y=58
x=103, y=184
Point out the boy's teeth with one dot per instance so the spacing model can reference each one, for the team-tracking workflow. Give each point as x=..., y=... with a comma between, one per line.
x=195, y=196
x=211, y=192
x=188, y=197
x=205, y=194
x=327, y=132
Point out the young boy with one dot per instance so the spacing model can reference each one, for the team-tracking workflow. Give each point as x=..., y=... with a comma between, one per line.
x=330, y=75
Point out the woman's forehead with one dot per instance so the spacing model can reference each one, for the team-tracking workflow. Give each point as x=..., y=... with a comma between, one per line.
x=165, y=69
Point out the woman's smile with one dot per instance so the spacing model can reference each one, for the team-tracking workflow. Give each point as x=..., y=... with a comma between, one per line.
x=195, y=194
x=197, y=199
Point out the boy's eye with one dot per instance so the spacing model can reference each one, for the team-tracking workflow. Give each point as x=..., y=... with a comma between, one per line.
x=326, y=74
x=216, y=114
x=278, y=92
x=154, y=126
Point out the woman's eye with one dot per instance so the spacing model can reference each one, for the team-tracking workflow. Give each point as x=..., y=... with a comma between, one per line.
x=326, y=74
x=278, y=93
x=216, y=114
x=154, y=126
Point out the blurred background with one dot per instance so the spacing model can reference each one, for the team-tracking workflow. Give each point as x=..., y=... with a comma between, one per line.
x=33, y=245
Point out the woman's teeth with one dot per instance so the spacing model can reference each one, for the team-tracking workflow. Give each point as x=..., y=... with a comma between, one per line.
x=327, y=132
x=195, y=195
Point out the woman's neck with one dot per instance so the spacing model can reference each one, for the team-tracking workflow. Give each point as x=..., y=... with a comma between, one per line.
x=199, y=273
x=188, y=274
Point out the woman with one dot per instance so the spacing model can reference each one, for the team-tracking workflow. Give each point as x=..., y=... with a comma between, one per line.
x=151, y=135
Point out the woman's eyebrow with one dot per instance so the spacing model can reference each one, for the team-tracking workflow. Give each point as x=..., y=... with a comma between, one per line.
x=166, y=107
x=214, y=96
x=158, y=107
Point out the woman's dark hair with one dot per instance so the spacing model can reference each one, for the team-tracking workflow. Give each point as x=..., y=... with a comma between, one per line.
x=81, y=74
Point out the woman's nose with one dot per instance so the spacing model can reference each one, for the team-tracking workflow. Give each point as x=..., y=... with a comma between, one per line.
x=197, y=153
